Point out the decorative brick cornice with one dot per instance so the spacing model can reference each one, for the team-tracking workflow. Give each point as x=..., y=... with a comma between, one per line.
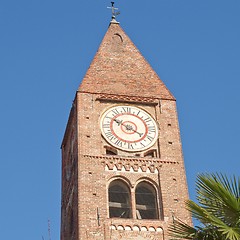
x=137, y=159
x=136, y=228
x=123, y=164
x=122, y=98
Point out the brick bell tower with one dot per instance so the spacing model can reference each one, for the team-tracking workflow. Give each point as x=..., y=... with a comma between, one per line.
x=123, y=173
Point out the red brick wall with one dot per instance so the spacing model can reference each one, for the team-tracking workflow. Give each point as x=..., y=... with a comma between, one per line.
x=120, y=75
x=95, y=170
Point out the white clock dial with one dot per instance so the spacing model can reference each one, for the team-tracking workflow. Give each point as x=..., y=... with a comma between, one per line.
x=128, y=128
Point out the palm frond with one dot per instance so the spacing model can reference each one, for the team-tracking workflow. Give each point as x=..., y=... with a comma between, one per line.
x=180, y=230
x=218, y=210
x=217, y=194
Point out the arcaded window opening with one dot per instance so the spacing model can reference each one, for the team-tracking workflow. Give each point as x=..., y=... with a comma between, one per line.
x=146, y=201
x=119, y=200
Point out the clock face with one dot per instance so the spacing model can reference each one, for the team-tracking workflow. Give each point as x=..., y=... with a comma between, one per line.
x=128, y=128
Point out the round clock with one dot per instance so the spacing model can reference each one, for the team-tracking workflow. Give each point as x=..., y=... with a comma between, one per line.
x=128, y=128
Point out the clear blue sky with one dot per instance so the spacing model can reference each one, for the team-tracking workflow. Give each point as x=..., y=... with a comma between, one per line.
x=45, y=50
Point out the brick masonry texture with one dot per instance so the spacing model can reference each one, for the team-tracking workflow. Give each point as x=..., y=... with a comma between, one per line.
x=119, y=75
x=119, y=68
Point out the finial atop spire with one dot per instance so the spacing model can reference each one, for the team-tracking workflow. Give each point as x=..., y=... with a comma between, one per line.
x=114, y=13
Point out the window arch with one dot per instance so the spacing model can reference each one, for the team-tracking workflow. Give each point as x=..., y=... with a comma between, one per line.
x=146, y=201
x=119, y=200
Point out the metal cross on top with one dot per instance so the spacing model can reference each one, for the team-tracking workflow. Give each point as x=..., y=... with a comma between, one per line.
x=114, y=13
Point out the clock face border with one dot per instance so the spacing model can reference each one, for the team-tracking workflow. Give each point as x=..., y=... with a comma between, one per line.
x=128, y=128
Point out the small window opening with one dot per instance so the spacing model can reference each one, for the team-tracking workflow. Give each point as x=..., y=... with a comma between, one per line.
x=119, y=200
x=110, y=151
x=146, y=201
x=118, y=37
x=150, y=154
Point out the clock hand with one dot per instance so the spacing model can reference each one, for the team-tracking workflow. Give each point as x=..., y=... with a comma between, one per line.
x=130, y=128
x=140, y=134
x=119, y=122
x=127, y=126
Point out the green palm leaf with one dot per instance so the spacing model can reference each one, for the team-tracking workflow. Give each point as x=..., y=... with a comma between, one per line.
x=218, y=210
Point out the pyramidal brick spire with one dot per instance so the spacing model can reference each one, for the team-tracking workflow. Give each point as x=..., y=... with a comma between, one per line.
x=119, y=68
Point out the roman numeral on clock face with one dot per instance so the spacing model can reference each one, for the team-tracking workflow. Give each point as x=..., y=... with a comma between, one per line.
x=106, y=125
x=149, y=138
x=119, y=143
x=109, y=135
x=151, y=129
x=130, y=146
x=126, y=109
x=148, y=119
x=129, y=128
x=115, y=112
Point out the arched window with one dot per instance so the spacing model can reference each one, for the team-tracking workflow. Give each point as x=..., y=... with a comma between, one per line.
x=146, y=201
x=119, y=200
